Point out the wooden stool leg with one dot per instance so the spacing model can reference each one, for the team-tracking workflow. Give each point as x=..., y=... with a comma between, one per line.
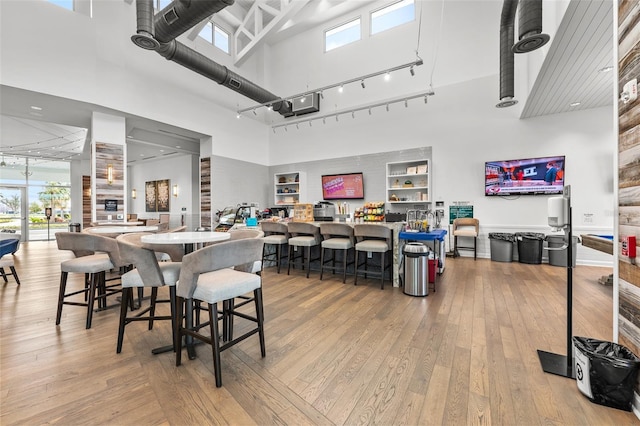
x=15, y=274
x=126, y=295
x=322, y=249
x=178, y=323
x=215, y=342
x=257, y=296
x=63, y=287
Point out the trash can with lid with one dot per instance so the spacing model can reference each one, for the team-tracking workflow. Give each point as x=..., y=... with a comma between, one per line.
x=75, y=227
x=606, y=372
x=416, y=269
x=557, y=254
x=530, y=246
x=501, y=246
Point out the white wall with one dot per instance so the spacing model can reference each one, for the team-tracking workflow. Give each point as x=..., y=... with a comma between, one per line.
x=48, y=49
x=464, y=129
x=179, y=171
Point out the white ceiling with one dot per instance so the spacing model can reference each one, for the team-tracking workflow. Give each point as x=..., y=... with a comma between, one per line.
x=583, y=45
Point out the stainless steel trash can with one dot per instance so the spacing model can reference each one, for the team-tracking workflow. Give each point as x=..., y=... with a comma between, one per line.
x=416, y=269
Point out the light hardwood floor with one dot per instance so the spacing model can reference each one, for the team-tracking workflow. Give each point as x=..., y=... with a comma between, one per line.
x=336, y=354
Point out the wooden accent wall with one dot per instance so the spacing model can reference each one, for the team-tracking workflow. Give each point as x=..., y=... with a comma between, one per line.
x=109, y=154
x=628, y=176
x=86, y=201
x=205, y=192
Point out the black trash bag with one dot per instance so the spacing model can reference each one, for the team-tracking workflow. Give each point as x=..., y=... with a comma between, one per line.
x=606, y=372
x=530, y=236
x=502, y=236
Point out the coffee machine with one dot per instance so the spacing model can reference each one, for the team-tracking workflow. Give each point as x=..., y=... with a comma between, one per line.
x=324, y=211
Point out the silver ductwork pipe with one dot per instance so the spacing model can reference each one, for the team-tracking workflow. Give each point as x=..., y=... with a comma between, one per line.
x=195, y=61
x=181, y=15
x=158, y=33
x=530, y=35
x=506, y=54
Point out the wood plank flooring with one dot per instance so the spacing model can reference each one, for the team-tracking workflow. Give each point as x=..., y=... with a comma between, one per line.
x=337, y=354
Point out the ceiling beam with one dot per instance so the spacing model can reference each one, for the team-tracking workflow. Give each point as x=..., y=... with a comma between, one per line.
x=252, y=26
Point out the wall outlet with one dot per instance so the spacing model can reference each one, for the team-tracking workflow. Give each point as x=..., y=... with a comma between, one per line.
x=120, y=216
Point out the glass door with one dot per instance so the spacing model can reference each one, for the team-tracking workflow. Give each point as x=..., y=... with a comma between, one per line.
x=14, y=210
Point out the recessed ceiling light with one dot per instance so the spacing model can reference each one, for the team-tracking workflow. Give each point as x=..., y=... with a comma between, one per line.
x=162, y=150
x=178, y=146
x=574, y=104
x=36, y=108
x=606, y=69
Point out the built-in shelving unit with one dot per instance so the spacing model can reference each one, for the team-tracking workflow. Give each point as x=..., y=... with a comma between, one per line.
x=289, y=188
x=408, y=182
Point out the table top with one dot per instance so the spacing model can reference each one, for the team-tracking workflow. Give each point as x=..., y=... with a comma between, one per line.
x=117, y=223
x=120, y=229
x=436, y=234
x=185, y=237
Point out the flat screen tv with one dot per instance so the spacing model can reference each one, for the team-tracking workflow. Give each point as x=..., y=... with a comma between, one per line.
x=346, y=186
x=526, y=176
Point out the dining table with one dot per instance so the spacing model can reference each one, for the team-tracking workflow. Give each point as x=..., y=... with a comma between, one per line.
x=119, y=229
x=188, y=239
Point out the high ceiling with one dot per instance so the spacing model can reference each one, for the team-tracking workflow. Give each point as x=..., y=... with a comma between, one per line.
x=581, y=47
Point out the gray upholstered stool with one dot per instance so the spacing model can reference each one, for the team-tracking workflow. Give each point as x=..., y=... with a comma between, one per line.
x=147, y=273
x=220, y=273
x=336, y=237
x=95, y=255
x=276, y=234
x=372, y=239
x=303, y=235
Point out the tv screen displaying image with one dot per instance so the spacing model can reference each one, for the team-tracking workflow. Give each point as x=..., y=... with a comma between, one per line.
x=526, y=176
x=346, y=186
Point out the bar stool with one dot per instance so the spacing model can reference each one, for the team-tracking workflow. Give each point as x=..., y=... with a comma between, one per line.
x=336, y=237
x=466, y=227
x=147, y=273
x=372, y=239
x=304, y=235
x=219, y=273
x=95, y=255
x=276, y=234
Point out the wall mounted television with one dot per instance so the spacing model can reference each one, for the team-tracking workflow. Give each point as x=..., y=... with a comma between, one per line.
x=526, y=176
x=345, y=186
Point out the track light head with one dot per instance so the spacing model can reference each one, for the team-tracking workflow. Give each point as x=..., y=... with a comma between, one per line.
x=412, y=71
x=362, y=83
x=387, y=107
x=341, y=88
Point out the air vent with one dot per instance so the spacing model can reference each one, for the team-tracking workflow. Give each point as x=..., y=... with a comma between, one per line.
x=171, y=16
x=306, y=104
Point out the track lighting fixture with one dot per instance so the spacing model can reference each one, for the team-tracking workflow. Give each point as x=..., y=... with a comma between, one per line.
x=411, y=70
x=340, y=85
x=336, y=114
x=254, y=112
x=297, y=126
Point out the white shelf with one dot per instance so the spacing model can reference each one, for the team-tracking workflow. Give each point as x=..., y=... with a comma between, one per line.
x=294, y=185
x=416, y=171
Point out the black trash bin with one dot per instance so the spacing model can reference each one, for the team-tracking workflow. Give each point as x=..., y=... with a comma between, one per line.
x=75, y=227
x=530, y=246
x=606, y=372
x=501, y=245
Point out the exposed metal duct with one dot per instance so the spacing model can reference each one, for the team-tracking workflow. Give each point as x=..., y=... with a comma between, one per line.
x=530, y=36
x=158, y=33
x=181, y=15
x=506, y=54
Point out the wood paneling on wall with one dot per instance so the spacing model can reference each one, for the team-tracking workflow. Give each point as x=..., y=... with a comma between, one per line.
x=109, y=154
x=86, y=201
x=205, y=192
x=628, y=177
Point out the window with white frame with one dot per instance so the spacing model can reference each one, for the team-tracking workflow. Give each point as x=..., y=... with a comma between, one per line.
x=161, y=4
x=342, y=35
x=216, y=36
x=67, y=4
x=393, y=15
